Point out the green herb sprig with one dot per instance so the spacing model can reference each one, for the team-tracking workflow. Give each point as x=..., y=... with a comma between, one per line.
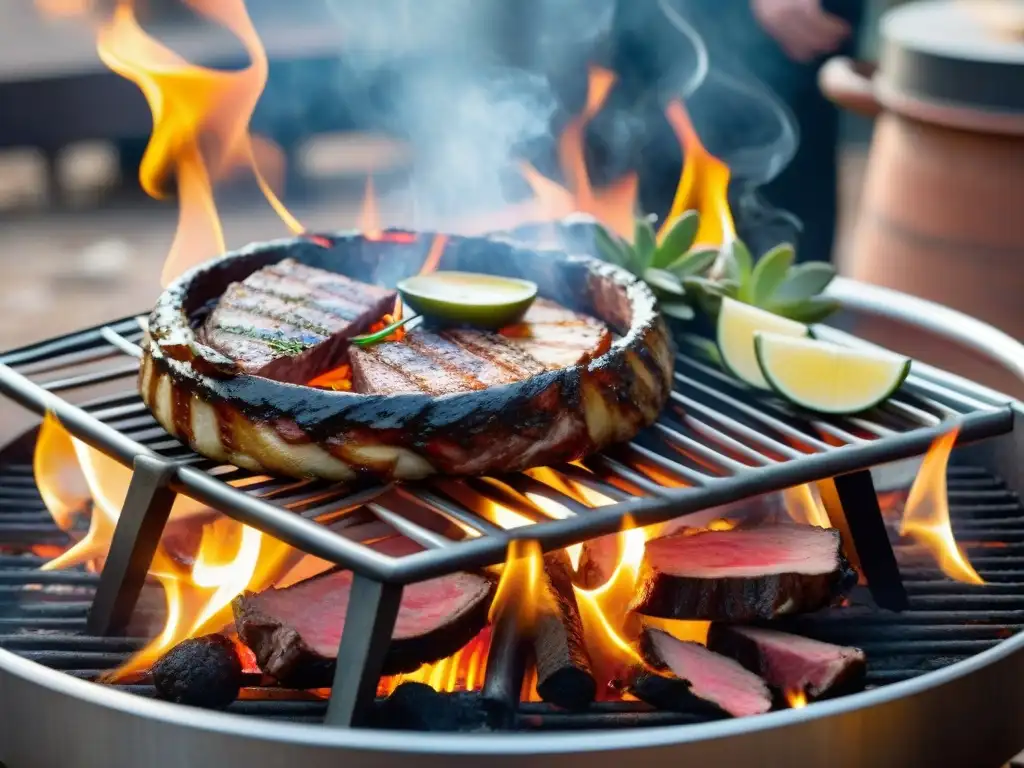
x=686, y=277
x=370, y=339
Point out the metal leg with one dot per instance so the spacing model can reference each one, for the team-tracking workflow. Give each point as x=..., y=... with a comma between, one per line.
x=852, y=506
x=369, y=622
x=147, y=506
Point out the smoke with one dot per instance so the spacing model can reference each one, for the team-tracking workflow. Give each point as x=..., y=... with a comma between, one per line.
x=475, y=86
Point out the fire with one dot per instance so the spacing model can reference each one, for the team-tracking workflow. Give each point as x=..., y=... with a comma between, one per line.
x=65, y=9
x=369, y=218
x=796, y=699
x=200, y=122
x=231, y=557
x=613, y=206
x=703, y=185
x=804, y=506
x=462, y=671
x=926, y=514
x=61, y=484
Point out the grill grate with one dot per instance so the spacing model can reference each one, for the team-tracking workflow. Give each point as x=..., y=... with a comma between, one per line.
x=43, y=614
x=715, y=443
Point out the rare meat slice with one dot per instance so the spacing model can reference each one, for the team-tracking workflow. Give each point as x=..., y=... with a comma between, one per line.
x=690, y=677
x=295, y=632
x=289, y=321
x=790, y=662
x=558, y=337
x=439, y=363
x=742, y=574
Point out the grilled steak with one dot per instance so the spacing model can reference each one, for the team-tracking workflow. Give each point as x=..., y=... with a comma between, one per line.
x=690, y=676
x=791, y=662
x=295, y=631
x=439, y=363
x=742, y=575
x=558, y=337
x=289, y=321
x=226, y=414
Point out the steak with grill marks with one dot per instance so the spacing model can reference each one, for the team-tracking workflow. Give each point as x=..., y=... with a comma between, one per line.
x=439, y=363
x=289, y=321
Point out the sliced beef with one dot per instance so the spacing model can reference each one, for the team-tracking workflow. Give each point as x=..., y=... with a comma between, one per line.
x=742, y=574
x=295, y=632
x=791, y=662
x=558, y=337
x=690, y=677
x=289, y=322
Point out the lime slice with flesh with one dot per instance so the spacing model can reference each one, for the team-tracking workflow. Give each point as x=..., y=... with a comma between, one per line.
x=485, y=301
x=827, y=377
x=737, y=324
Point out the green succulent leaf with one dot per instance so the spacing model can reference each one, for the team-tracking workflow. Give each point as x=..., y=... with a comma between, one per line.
x=713, y=287
x=770, y=272
x=643, y=244
x=611, y=248
x=812, y=310
x=693, y=262
x=663, y=281
x=804, y=281
x=678, y=310
x=704, y=347
x=678, y=239
x=739, y=265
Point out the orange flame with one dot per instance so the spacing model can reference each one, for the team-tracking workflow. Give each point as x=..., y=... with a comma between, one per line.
x=231, y=557
x=804, y=506
x=200, y=122
x=462, y=671
x=703, y=185
x=65, y=9
x=926, y=514
x=796, y=699
x=369, y=217
x=613, y=206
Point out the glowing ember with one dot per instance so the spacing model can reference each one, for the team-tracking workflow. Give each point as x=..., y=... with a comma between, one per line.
x=200, y=122
x=796, y=699
x=703, y=185
x=804, y=506
x=926, y=514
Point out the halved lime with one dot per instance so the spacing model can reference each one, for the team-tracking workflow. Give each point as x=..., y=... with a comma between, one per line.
x=737, y=324
x=827, y=377
x=485, y=301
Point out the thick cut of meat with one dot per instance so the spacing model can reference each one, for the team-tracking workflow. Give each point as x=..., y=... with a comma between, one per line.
x=295, y=632
x=791, y=662
x=742, y=574
x=289, y=322
x=558, y=337
x=690, y=671
x=439, y=363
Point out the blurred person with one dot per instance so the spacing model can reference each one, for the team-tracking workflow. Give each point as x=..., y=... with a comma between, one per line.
x=780, y=42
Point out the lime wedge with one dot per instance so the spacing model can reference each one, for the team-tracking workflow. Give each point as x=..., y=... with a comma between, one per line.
x=826, y=377
x=485, y=301
x=737, y=324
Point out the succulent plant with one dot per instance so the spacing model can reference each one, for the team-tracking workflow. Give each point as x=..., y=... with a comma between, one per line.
x=684, y=276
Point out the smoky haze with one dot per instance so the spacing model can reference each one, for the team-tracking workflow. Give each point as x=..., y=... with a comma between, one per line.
x=475, y=86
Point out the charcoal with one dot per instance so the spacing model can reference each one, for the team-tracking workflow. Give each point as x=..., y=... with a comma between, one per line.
x=418, y=707
x=201, y=671
x=742, y=575
x=792, y=663
x=564, y=675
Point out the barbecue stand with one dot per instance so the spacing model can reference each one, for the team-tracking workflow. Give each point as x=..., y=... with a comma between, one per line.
x=722, y=443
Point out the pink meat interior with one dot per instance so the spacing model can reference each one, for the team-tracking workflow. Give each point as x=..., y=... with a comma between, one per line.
x=746, y=553
x=799, y=663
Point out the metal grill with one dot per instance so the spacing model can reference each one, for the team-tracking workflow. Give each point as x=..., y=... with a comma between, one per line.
x=43, y=614
x=717, y=442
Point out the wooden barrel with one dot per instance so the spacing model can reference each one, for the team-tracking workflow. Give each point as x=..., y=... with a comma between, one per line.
x=942, y=211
